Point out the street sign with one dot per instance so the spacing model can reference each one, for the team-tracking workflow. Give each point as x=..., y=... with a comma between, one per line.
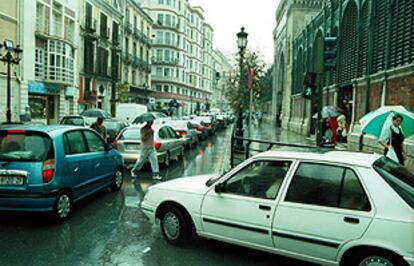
x=251, y=78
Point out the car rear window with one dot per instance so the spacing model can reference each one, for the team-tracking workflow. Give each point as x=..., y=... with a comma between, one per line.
x=398, y=177
x=112, y=125
x=20, y=145
x=76, y=121
x=131, y=134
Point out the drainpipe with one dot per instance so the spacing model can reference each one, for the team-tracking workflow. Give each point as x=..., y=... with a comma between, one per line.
x=369, y=54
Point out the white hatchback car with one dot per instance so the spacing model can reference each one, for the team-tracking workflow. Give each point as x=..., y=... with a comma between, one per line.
x=335, y=208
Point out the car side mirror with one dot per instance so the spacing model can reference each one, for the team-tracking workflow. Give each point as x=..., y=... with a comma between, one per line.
x=219, y=187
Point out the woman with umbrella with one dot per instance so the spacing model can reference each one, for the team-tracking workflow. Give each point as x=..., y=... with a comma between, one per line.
x=394, y=137
x=391, y=125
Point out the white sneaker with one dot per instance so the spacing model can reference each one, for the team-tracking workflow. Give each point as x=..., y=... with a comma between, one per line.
x=157, y=177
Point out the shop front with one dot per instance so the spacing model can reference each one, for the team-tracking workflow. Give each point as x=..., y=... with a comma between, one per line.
x=44, y=102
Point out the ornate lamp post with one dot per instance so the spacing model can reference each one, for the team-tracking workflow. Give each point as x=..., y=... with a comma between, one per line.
x=241, y=44
x=11, y=57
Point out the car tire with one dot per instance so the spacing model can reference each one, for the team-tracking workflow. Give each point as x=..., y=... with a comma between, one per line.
x=375, y=257
x=117, y=180
x=176, y=227
x=62, y=207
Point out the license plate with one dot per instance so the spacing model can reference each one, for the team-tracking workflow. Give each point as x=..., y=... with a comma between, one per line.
x=11, y=180
x=133, y=147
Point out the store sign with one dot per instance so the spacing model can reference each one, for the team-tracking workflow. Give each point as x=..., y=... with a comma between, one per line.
x=41, y=88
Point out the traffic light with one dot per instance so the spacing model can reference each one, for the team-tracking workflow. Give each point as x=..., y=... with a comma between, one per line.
x=309, y=85
x=330, y=53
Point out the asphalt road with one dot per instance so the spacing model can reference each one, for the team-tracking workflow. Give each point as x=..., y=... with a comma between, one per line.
x=109, y=228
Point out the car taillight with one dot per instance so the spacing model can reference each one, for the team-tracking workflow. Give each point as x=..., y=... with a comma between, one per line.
x=222, y=122
x=157, y=145
x=115, y=144
x=48, y=170
x=209, y=126
x=200, y=128
x=116, y=133
x=181, y=132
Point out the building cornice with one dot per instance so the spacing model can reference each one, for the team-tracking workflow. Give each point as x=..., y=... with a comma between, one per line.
x=140, y=10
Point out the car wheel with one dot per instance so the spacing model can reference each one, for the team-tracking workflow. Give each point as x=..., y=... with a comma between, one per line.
x=63, y=206
x=176, y=227
x=118, y=180
x=376, y=258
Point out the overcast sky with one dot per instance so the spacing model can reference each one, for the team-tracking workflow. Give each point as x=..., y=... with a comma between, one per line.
x=227, y=17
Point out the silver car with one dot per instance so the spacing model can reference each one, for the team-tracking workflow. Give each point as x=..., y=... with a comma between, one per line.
x=186, y=130
x=167, y=143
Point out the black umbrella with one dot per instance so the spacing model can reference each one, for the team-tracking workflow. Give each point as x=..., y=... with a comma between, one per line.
x=144, y=118
x=95, y=112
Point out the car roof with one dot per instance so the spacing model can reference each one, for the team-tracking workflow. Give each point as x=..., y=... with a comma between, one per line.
x=48, y=129
x=342, y=157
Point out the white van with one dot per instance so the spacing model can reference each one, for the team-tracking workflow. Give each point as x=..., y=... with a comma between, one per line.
x=128, y=111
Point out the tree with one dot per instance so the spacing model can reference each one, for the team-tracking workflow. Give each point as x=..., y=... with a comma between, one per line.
x=239, y=96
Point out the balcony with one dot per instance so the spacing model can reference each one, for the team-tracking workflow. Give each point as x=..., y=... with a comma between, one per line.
x=128, y=27
x=135, y=61
x=90, y=24
x=127, y=58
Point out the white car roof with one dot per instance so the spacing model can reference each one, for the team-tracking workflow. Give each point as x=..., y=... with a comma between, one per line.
x=342, y=157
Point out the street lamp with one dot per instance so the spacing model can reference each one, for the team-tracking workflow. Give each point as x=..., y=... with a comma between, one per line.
x=241, y=44
x=11, y=57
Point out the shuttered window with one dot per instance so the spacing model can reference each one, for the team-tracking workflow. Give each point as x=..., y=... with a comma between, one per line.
x=363, y=40
x=402, y=48
x=348, y=63
x=380, y=35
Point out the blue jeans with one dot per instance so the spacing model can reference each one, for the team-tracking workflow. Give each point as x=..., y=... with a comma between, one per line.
x=151, y=155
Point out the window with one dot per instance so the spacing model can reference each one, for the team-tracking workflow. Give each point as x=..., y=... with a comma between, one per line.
x=329, y=186
x=261, y=179
x=74, y=143
x=95, y=143
x=160, y=19
x=163, y=133
x=171, y=133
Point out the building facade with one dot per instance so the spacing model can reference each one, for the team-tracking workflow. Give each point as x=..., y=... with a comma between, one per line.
x=136, y=55
x=374, y=65
x=100, y=52
x=222, y=71
x=182, y=41
x=292, y=16
x=48, y=82
x=9, y=25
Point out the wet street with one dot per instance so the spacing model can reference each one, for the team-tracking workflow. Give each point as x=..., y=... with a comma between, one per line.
x=109, y=228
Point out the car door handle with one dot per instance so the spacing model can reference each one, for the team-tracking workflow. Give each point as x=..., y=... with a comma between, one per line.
x=351, y=220
x=75, y=169
x=97, y=164
x=265, y=207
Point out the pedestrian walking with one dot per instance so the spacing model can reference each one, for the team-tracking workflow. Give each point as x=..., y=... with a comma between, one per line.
x=342, y=131
x=147, y=152
x=99, y=127
x=392, y=139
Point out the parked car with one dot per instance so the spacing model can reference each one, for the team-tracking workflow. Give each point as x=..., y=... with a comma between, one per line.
x=221, y=121
x=167, y=143
x=208, y=123
x=48, y=168
x=96, y=112
x=158, y=117
x=201, y=130
x=77, y=120
x=186, y=130
x=334, y=208
x=128, y=111
x=113, y=127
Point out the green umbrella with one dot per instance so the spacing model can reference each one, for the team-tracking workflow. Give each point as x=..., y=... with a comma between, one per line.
x=375, y=122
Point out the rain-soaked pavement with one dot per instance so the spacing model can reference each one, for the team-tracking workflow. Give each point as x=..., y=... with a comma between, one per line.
x=109, y=228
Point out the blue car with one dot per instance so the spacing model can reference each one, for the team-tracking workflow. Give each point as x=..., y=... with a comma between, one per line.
x=48, y=168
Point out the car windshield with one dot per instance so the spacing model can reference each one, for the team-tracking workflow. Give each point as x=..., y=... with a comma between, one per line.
x=131, y=134
x=76, y=121
x=398, y=177
x=25, y=146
